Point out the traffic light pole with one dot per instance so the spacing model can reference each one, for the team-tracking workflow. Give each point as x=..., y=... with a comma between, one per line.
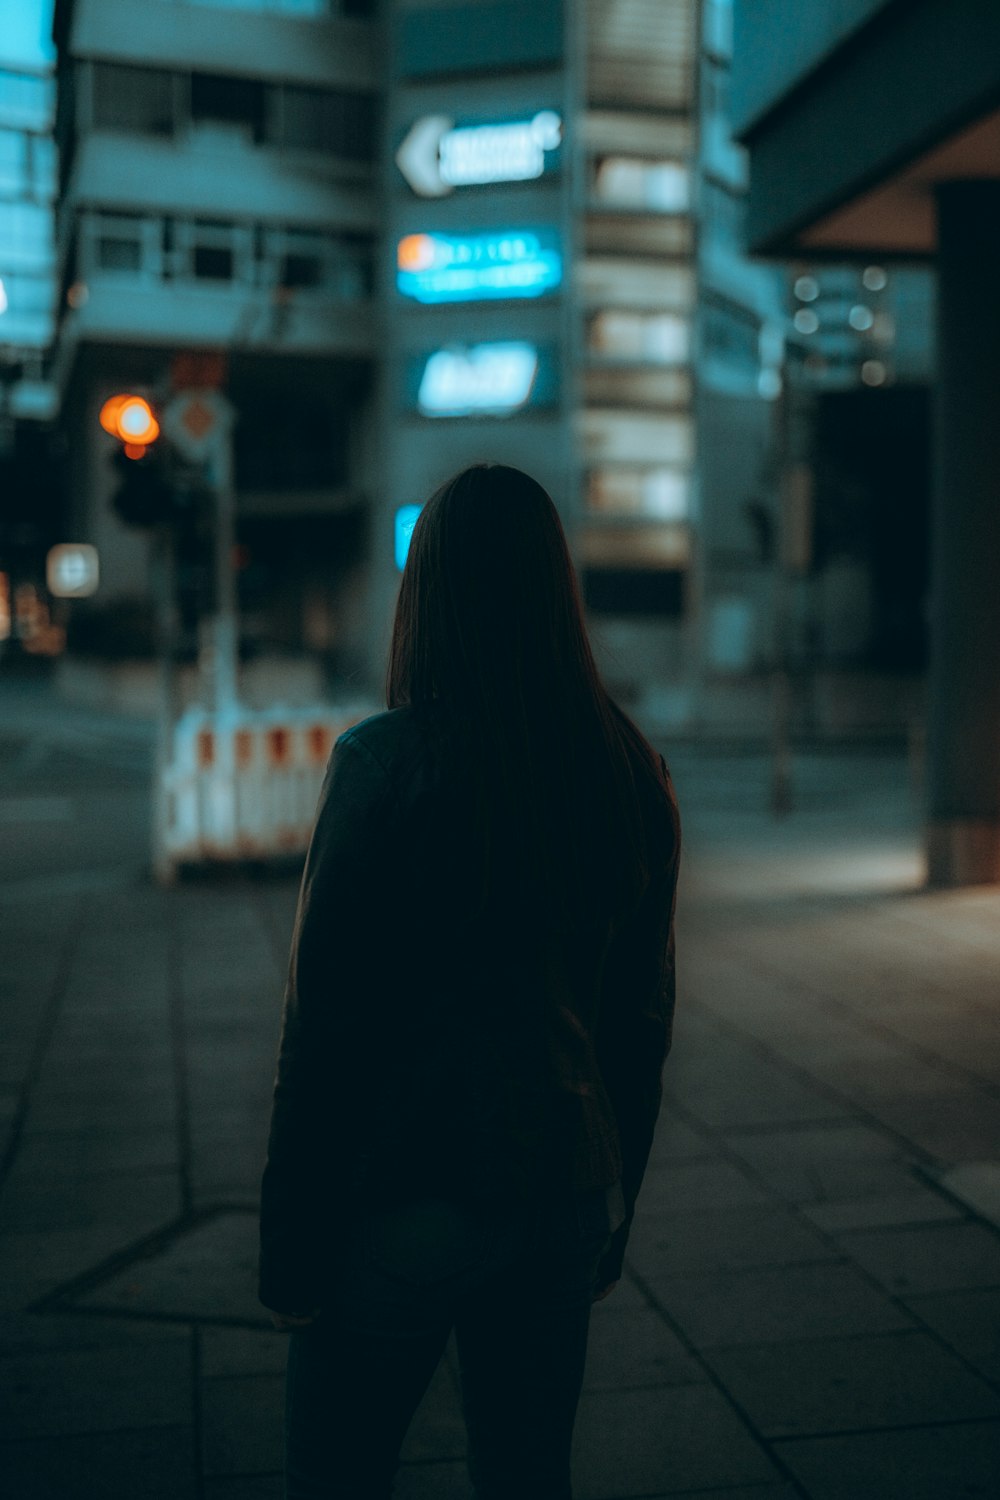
x=162, y=567
x=224, y=636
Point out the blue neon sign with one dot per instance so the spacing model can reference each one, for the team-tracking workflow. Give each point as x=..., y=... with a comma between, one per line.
x=406, y=519
x=478, y=267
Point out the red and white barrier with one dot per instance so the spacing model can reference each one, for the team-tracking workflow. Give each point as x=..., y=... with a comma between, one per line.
x=245, y=784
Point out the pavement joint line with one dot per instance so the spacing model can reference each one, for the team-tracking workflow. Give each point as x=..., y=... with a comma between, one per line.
x=43, y=1036
x=819, y=1086
x=61, y=1298
x=179, y=1059
x=197, y=1415
x=715, y=1380
x=934, y=1423
x=843, y=1258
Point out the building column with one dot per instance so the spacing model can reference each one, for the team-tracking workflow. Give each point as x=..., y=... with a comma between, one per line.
x=963, y=726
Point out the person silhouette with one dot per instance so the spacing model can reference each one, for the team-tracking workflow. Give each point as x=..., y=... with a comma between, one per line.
x=477, y=1011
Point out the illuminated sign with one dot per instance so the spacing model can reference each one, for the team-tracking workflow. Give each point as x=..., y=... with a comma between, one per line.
x=474, y=267
x=488, y=378
x=406, y=519
x=71, y=570
x=438, y=156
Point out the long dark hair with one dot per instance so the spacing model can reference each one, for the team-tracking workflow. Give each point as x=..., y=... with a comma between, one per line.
x=489, y=646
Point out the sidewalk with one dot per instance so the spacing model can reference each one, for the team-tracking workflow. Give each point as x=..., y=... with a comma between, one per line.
x=811, y=1306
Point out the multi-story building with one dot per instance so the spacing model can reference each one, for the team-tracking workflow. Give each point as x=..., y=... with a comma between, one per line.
x=422, y=234
x=540, y=165
x=27, y=290
x=217, y=196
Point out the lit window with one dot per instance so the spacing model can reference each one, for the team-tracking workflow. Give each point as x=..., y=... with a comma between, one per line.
x=26, y=100
x=874, y=372
x=25, y=234
x=13, y=161
x=629, y=182
x=653, y=338
x=661, y=493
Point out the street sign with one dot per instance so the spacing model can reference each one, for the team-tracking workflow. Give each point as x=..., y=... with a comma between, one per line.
x=487, y=379
x=71, y=570
x=195, y=421
x=437, y=156
x=406, y=519
x=198, y=369
x=478, y=267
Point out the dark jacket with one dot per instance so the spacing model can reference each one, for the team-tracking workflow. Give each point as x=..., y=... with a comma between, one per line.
x=423, y=1051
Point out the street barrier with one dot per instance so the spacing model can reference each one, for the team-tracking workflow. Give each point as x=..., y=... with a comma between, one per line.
x=243, y=784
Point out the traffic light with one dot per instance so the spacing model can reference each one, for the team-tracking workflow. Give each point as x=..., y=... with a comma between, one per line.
x=130, y=418
x=143, y=496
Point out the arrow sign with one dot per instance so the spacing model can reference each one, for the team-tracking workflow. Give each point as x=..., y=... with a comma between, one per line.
x=418, y=156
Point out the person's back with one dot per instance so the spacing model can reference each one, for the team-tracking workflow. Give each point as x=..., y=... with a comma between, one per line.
x=478, y=1008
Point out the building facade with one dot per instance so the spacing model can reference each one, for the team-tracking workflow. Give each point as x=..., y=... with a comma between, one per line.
x=218, y=198
x=896, y=109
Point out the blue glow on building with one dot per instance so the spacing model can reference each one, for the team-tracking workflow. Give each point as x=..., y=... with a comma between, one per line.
x=479, y=267
x=406, y=519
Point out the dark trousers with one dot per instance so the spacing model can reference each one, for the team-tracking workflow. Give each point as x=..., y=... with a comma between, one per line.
x=515, y=1287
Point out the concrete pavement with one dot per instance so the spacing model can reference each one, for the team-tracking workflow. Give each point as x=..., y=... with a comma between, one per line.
x=812, y=1299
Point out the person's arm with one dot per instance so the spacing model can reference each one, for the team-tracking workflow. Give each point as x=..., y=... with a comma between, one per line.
x=338, y=967
x=635, y=1028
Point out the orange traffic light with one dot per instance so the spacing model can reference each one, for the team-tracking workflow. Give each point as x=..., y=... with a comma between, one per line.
x=131, y=419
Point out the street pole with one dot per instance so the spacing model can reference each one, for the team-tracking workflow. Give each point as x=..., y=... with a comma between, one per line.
x=781, y=758
x=225, y=626
x=164, y=593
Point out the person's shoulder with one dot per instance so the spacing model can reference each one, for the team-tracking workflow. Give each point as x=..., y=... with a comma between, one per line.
x=383, y=734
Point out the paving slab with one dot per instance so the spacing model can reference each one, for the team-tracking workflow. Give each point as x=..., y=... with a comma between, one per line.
x=153, y=1464
x=200, y=1269
x=648, y=1442
x=960, y=1461
x=928, y=1258
x=672, y=1242
x=888, y=1380
x=93, y=1390
x=775, y=1305
x=629, y=1349
x=969, y=1322
x=914, y=1205
x=242, y=1424
x=263, y=1487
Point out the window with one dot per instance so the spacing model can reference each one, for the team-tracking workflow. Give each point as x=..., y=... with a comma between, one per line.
x=119, y=242
x=325, y=120
x=25, y=234
x=134, y=100
x=660, y=494
x=212, y=263
x=634, y=591
x=26, y=101
x=630, y=182
x=644, y=338
x=213, y=250
x=13, y=161
x=228, y=106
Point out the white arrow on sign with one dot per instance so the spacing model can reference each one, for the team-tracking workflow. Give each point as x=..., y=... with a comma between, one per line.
x=418, y=156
